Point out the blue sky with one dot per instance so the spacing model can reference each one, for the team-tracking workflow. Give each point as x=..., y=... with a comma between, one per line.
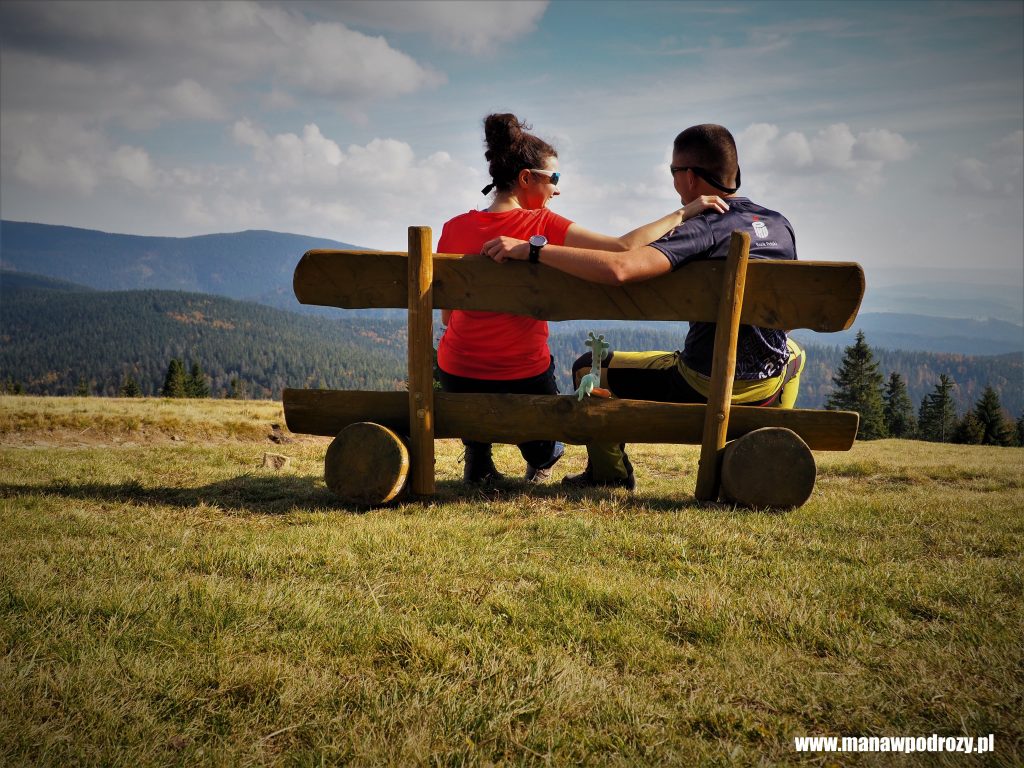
x=890, y=133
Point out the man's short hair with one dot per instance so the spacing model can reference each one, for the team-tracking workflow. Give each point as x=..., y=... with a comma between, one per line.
x=711, y=147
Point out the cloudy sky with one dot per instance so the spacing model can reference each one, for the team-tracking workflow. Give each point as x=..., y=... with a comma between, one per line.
x=890, y=133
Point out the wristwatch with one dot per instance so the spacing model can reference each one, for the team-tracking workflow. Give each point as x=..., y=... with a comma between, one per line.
x=536, y=243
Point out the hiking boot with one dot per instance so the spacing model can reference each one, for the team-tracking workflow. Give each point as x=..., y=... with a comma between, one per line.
x=586, y=479
x=479, y=467
x=537, y=476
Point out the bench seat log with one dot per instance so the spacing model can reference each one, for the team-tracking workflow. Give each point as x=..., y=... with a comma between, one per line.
x=820, y=296
x=517, y=418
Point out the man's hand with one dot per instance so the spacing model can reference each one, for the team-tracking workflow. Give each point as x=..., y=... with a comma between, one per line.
x=704, y=203
x=505, y=248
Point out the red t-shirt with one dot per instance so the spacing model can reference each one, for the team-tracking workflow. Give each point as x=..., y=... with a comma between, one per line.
x=492, y=345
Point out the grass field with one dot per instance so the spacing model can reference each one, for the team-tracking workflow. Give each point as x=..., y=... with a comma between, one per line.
x=165, y=600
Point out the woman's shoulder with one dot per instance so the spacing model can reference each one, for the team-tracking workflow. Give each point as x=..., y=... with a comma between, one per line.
x=470, y=214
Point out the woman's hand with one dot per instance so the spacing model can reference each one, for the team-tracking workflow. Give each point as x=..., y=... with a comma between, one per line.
x=704, y=203
x=506, y=248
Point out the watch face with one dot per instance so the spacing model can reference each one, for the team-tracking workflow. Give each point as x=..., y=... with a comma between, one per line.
x=538, y=241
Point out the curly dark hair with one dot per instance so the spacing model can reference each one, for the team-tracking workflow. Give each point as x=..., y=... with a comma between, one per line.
x=510, y=149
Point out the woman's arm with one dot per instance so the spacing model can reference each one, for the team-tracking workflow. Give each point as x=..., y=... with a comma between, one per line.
x=578, y=237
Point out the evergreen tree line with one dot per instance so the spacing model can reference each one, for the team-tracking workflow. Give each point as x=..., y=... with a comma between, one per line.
x=94, y=343
x=886, y=409
x=119, y=343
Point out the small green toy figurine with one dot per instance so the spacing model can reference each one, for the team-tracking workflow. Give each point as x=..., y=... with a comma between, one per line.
x=591, y=382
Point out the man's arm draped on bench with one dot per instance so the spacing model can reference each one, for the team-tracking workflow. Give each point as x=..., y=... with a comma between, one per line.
x=768, y=363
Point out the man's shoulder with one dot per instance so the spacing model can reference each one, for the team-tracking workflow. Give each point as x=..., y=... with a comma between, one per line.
x=744, y=205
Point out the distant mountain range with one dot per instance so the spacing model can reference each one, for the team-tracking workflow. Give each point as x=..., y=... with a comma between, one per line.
x=943, y=313
x=254, y=265
x=996, y=294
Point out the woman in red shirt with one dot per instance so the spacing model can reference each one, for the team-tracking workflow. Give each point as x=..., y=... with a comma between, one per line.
x=496, y=352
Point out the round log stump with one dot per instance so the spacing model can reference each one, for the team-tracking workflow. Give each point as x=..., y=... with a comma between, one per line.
x=769, y=467
x=366, y=464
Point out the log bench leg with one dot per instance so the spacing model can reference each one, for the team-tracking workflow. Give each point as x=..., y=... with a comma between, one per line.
x=769, y=467
x=366, y=464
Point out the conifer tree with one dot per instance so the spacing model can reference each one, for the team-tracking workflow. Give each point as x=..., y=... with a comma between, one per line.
x=898, y=412
x=989, y=413
x=858, y=387
x=237, y=390
x=130, y=388
x=82, y=390
x=936, y=420
x=969, y=431
x=195, y=384
x=1020, y=430
x=174, y=381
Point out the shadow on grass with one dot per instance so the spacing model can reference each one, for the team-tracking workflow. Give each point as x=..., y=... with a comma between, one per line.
x=256, y=494
x=558, y=495
x=245, y=494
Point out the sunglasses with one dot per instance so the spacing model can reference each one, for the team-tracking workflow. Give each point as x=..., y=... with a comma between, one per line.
x=707, y=176
x=554, y=176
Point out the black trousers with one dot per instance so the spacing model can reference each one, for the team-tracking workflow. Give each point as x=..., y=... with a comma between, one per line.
x=538, y=453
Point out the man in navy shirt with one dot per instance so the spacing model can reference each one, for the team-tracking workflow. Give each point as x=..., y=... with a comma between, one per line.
x=706, y=173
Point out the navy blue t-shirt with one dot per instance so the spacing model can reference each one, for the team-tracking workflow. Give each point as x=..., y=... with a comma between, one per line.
x=760, y=352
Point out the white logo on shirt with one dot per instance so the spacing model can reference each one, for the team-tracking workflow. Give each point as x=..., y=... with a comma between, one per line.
x=760, y=229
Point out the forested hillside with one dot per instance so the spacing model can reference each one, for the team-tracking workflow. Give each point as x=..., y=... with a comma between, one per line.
x=56, y=337
x=53, y=341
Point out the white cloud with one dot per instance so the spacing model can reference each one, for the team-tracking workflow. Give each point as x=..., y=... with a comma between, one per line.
x=105, y=61
x=998, y=172
x=302, y=181
x=331, y=60
x=133, y=165
x=59, y=155
x=364, y=193
x=189, y=99
x=467, y=27
x=882, y=145
x=835, y=149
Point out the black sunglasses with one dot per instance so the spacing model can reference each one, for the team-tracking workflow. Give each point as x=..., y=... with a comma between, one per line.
x=707, y=176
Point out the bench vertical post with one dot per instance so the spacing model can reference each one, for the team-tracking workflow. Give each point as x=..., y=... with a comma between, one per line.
x=723, y=367
x=421, y=360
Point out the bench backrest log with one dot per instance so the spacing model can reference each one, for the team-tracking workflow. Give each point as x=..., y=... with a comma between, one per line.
x=820, y=296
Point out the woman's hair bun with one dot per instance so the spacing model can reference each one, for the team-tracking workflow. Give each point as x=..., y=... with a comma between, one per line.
x=510, y=148
x=501, y=132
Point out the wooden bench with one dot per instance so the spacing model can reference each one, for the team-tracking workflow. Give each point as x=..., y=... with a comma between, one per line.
x=368, y=461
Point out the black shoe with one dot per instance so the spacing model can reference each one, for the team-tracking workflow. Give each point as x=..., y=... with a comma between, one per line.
x=586, y=479
x=479, y=468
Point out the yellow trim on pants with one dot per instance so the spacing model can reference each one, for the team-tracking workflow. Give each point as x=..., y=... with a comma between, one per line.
x=607, y=460
x=756, y=391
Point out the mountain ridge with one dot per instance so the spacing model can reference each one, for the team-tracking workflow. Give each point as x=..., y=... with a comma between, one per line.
x=257, y=265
